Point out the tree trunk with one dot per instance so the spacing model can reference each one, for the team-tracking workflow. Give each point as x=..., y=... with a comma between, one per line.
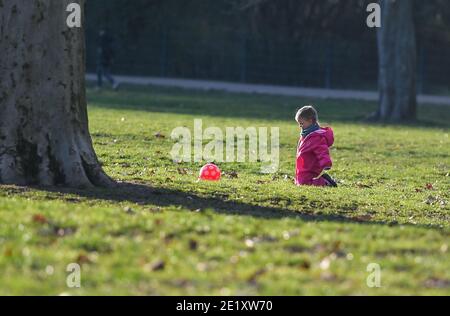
x=397, y=62
x=44, y=135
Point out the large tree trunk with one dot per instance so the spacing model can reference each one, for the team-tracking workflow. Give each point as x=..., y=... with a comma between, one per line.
x=397, y=62
x=44, y=135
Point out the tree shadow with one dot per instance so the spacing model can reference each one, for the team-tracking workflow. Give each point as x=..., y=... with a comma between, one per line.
x=257, y=106
x=162, y=197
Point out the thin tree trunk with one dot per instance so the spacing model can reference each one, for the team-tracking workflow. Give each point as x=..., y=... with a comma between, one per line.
x=397, y=62
x=44, y=135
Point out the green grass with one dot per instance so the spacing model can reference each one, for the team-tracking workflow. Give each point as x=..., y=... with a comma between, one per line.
x=161, y=232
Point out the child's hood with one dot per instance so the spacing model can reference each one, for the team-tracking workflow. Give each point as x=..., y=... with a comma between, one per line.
x=328, y=134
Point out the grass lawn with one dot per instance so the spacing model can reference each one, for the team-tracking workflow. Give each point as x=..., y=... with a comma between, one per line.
x=162, y=233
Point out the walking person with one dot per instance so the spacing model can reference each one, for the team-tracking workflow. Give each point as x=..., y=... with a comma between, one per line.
x=105, y=59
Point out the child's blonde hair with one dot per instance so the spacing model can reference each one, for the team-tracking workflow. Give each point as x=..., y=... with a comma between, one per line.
x=307, y=113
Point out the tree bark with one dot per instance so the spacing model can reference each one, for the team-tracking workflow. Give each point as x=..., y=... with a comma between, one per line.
x=44, y=134
x=397, y=62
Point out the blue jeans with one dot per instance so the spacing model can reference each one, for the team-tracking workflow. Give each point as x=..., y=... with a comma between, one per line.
x=104, y=71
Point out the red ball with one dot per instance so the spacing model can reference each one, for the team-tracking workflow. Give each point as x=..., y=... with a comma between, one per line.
x=210, y=172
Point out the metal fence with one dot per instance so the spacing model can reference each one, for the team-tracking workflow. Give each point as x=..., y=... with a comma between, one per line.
x=232, y=55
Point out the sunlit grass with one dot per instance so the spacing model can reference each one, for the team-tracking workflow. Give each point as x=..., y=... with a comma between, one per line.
x=253, y=234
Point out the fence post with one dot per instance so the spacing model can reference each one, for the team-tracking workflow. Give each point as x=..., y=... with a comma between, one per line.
x=422, y=60
x=243, y=66
x=163, y=52
x=329, y=64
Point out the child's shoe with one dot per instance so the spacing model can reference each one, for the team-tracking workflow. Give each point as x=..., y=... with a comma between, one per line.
x=330, y=181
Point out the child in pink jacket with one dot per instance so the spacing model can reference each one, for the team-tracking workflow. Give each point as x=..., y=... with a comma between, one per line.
x=313, y=154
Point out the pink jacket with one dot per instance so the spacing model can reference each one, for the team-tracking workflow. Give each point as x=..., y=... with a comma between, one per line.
x=313, y=156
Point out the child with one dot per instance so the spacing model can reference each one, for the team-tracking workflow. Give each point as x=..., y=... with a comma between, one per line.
x=313, y=155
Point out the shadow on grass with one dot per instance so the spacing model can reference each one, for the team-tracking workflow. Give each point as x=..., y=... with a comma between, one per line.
x=145, y=195
x=225, y=105
x=251, y=106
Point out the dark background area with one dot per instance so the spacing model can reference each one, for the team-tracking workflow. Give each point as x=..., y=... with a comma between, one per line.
x=284, y=42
